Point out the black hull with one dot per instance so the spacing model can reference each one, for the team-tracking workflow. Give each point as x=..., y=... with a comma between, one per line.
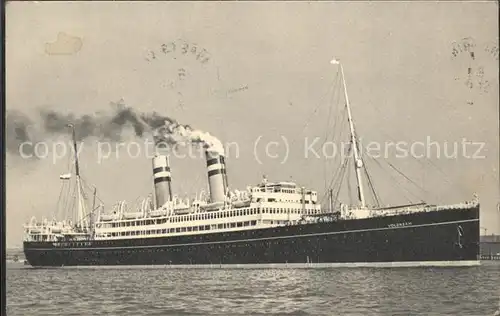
x=432, y=237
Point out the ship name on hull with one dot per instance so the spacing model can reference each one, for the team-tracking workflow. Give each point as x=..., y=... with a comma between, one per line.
x=403, y=224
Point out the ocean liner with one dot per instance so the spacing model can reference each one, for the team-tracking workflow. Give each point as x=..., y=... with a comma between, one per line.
x=268, y=224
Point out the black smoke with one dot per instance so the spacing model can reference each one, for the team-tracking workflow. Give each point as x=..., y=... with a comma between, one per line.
x=17, y=132
x=106, y=126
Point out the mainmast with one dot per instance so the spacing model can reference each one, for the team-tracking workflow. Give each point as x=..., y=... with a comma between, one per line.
x=358, y=163
x=82, y=216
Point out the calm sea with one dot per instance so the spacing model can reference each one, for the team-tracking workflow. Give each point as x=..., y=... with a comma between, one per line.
x=168, y=291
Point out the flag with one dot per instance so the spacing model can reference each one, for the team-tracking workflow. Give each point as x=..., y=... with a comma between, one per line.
x=335, y=62
x=66, y=176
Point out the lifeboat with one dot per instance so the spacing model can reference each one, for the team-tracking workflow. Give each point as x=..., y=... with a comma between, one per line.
x=132, y=215
x=183, y=210
x=109, y=217
x=158, y=213
x=212, y=206
x=239, y=204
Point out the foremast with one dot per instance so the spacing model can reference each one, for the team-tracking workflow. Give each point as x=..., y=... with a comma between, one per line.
x=81, y=209
x=358, y=163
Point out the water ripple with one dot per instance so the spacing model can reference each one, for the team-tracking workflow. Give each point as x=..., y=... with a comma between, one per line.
x=162, y=291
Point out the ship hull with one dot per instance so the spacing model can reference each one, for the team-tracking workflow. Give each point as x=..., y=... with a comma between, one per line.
x=447, y=237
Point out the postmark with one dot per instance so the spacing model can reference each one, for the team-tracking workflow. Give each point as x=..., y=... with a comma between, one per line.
x=183, y=62
x=474, y=58
x=236, y=90
x=180, y=61
x=180, y=49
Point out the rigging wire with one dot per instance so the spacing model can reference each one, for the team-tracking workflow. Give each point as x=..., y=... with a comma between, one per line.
x=71, y=206
x=349, y=184
x=333, y=180
x=58, y=204
x=446, y=177
x=370, y=182
x=335, y=95
x=372, y=187
x=308, y=120
x=67, y=201
x=89, y=187
x=330, y=133
x=344, y=167
x=338, y=154
x=336, y=182
x=395, y=181
x=338, y=136
x=406, y=177
x=339, y=124
x=327, y=131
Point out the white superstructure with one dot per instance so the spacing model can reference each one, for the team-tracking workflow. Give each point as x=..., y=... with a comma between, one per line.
x=262, y=206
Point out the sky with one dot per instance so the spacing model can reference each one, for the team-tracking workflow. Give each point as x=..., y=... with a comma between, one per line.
x=266, y=75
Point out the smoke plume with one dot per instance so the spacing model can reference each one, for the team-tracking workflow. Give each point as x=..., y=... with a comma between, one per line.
x=17, y=131
x=108, y=127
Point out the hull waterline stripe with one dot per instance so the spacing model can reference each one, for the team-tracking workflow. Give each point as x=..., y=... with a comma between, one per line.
x=394, y=264
x=251, y=239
